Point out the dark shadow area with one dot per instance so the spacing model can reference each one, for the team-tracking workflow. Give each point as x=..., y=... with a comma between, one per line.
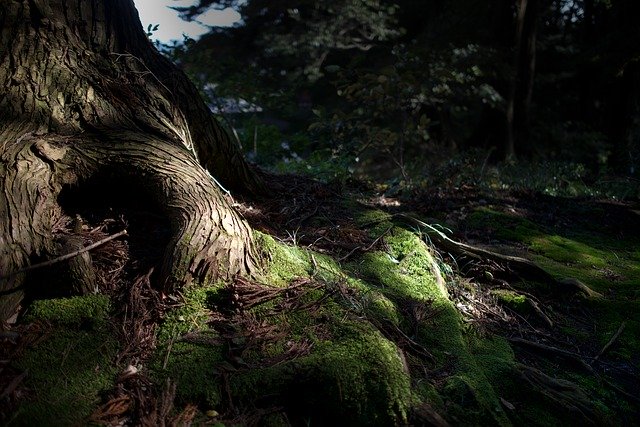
x=96, y=209
x=124, y=202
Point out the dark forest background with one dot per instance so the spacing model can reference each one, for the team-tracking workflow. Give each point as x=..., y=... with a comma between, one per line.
x=535, y=93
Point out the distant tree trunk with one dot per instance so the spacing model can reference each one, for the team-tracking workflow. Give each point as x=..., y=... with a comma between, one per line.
x=84, y=95
x=521, y=90
x=588, y=70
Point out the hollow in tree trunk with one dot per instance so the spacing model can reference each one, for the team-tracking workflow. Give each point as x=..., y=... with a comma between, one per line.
x=85, y=97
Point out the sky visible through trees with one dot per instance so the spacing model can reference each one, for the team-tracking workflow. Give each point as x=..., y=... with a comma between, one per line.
x=171, y=27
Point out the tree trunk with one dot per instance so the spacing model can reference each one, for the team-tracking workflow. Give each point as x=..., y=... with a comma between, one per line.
x=521, y=91
x=85, y=95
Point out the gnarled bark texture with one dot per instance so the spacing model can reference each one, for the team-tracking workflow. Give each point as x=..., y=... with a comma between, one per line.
x=83, y=94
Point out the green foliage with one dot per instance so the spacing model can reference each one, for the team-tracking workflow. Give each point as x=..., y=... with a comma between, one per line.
x=317, y=29
x=152, y=29
x=553, y=178
x=406, y=109
x=398, y=83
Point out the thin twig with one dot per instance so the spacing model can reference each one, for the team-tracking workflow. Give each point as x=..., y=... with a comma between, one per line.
x=376, y=241
x=612, y=340
x=368, y=248
x=66, y=256
x=349, y=254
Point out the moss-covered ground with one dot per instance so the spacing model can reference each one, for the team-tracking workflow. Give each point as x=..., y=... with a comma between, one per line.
x=70, y=365
x=356, y=319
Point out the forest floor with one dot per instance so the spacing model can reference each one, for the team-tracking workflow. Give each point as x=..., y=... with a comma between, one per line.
x=590, y=341
x=571, y=356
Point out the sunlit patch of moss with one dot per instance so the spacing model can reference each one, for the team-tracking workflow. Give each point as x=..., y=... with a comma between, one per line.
x=357, y=381
x=511, y=299
x=405, y=270
x=90, y=311
x=351, y=373
x=356, y=378
x=72, y=366
x=601, y=269
x=381, y=307
x=598, y=260
x=191, y=315
x=371, y=217
x=565, y=250
x=284, y=263
x=404, y=273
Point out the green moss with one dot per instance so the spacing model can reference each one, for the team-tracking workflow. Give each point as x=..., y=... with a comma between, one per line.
x=72, y=366
x=513, y=300
x=91, y=310
x=190, y=365
x=604, y=267
x=382, y=308
x=352, y=374
x=357, y=378
x=191, y=315
x=284, y=263
x=565, y=250
x=504, y=226
x=599, y=260
x=369, y=217
x=193, y=368
x=355, y=381
x=404, y=273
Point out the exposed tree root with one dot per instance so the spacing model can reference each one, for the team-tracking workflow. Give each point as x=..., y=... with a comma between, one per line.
x=546, y=349
x=523, y=267
x=562, y=394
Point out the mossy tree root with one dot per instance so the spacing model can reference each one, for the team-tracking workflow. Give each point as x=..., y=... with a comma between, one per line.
x=521, y=266
x=564, y=395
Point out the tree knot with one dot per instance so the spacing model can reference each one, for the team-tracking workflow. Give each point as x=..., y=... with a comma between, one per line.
x=48, y=151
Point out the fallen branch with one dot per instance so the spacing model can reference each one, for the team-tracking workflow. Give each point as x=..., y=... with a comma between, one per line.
x=66, y=256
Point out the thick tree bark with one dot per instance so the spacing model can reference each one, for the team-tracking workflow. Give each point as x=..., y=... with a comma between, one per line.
x=85, y=94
